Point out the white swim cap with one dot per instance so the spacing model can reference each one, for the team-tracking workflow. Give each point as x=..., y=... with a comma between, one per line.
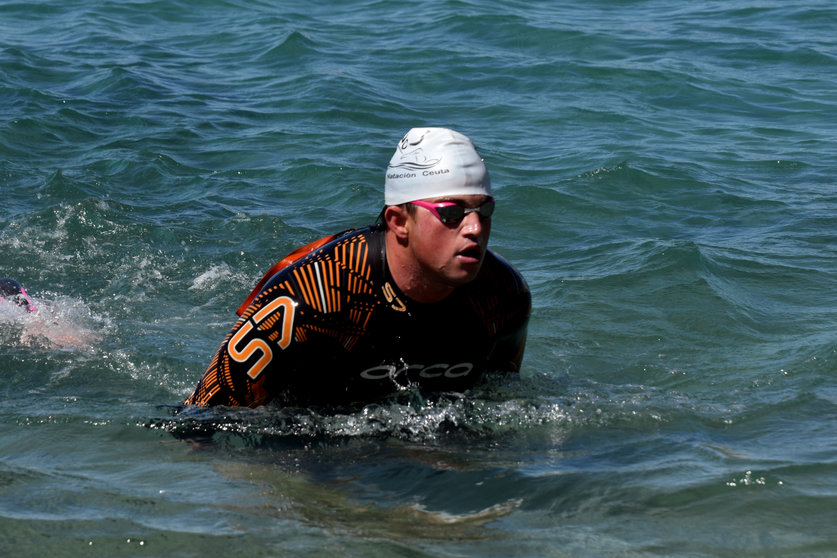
x=434, y=162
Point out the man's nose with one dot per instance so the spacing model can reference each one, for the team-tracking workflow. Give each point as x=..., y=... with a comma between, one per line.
x=472, y=224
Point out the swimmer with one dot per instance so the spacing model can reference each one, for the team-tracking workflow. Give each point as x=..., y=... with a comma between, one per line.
x=415, y=301
x=12, y=291
x=44, y=326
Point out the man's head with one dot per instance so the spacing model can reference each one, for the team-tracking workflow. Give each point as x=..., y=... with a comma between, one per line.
x=434, y=162
x=13, y=291
x=438, y=212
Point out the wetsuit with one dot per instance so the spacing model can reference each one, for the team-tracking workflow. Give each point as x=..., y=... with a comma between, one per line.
x=334, y=328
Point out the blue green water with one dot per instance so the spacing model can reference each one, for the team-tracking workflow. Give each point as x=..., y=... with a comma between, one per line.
x=665, y=181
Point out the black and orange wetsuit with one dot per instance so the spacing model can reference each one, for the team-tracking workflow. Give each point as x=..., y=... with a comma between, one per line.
x=334, y=328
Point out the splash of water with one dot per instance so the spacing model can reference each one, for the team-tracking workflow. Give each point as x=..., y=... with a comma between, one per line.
x=59, y=322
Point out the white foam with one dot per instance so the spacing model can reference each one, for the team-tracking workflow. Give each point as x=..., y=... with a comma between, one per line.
x=62, y=322
x=214, y=274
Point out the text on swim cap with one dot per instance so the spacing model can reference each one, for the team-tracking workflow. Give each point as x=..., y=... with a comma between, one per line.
x=394, y=175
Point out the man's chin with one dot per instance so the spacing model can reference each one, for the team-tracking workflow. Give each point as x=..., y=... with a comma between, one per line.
x=466, y=272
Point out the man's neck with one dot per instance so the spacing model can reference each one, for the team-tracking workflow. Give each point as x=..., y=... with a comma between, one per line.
x=410, y=277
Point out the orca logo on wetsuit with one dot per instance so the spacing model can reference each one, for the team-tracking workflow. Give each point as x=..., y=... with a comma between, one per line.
x=384, y=371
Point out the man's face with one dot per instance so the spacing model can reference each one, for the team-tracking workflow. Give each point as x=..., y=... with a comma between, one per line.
x=449, y=254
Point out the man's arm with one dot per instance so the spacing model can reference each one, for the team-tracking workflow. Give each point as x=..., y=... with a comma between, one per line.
x=511, y=315
x=507, y=355
x=237, y=374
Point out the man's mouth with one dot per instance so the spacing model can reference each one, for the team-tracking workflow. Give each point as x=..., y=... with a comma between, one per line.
x=471, y=253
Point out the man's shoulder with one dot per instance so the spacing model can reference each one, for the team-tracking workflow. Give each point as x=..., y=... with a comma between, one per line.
x=500, y=276
x=500, y=295
x=360, y=236
x=352, y=248
x=311, y=273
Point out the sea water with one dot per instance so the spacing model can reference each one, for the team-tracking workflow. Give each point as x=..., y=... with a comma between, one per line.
x=664, y=175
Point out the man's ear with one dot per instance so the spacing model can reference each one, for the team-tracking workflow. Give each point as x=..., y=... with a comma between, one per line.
x=396, y=217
